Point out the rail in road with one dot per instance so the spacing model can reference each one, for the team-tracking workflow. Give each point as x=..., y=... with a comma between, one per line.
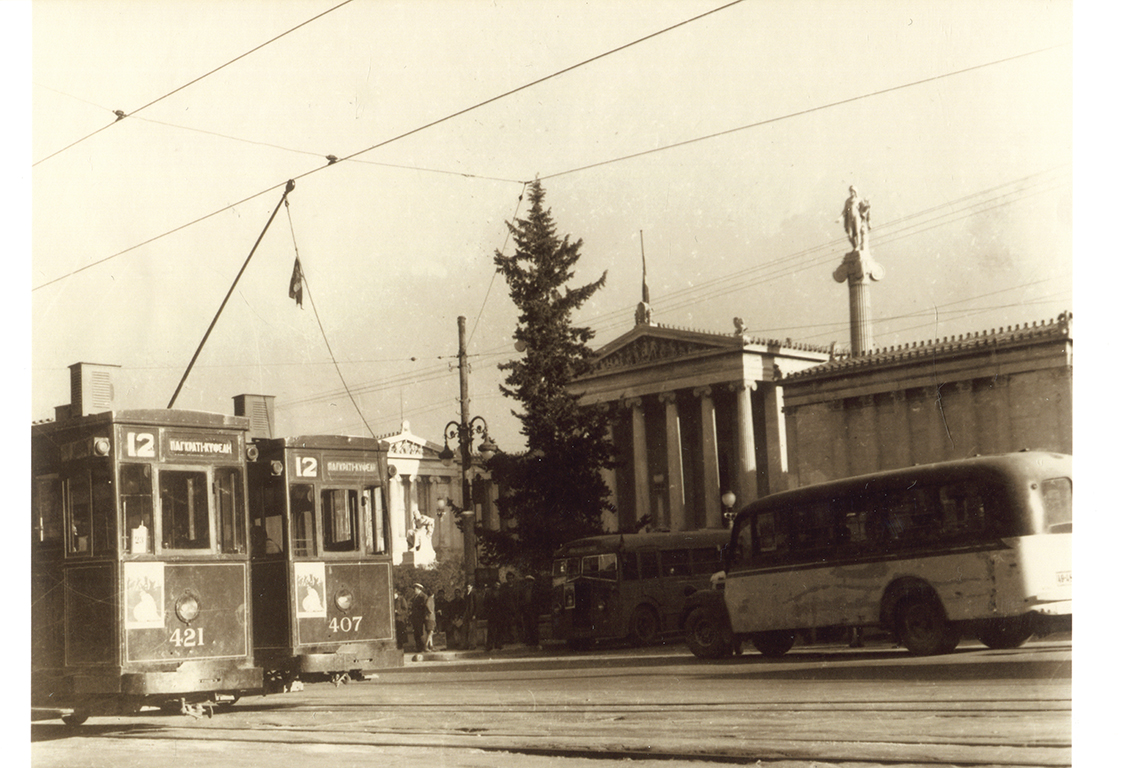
x=815, y=706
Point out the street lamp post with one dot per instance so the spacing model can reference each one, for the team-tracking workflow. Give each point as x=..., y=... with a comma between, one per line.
x=728, y=500
x=464, y=432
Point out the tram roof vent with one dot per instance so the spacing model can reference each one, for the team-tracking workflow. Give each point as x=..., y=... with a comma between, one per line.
x=91, y=388
x=259, y=408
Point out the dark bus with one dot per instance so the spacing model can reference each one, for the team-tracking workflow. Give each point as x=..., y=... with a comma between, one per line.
x=140, y=564
x=321, y=569
x=629, y=585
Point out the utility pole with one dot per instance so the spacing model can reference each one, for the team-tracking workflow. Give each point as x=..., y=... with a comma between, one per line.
x=467, y=502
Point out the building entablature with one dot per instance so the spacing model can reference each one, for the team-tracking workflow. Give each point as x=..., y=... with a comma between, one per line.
x=996, y=354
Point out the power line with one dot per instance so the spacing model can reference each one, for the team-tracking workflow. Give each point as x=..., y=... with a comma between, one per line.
x=799, y=113
x=121, y=115
x=395, y=138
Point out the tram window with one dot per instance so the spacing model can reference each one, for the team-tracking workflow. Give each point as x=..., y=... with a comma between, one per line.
x=630, y=568
x=136, y=507
x=374, y=522
x=104, y=511
x=340, y=524
x=78, y=513
x=232, y=515
x=46, y=510
x=184, y=510
x=301, y=511
x=267, y=511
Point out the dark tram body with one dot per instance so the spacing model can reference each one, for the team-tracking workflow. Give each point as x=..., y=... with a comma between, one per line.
x=321, y=569
x=140, y=563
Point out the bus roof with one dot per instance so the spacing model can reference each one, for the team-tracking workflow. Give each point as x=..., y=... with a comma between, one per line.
x=614, y=542
x=1022, y=465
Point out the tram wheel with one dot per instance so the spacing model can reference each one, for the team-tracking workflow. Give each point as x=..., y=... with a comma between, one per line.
x=644, y=626
x=1005, y=633
x=775, y=643
x=923, y=628
x=708, y=637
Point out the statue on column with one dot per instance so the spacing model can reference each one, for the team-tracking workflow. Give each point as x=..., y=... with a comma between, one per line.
x=856, y=219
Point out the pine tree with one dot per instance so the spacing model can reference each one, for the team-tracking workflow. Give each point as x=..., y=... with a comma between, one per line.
x=554, y=492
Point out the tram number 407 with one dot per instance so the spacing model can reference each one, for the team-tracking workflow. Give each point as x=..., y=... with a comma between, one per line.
x=346, y=624
x=187, y=638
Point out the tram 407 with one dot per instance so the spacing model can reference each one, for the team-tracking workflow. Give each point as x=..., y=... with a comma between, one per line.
x=140, y=564
x=321, y=559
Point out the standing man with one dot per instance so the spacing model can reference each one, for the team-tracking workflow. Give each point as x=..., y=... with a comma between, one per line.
x=421, y=614
x=529, y=608
x=401, y=612
x=471, y=607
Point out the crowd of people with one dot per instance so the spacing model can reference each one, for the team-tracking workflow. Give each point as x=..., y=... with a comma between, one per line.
x=510, y=610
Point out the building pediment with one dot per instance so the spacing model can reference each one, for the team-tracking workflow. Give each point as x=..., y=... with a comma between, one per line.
x=406, y=445
x=648, y=344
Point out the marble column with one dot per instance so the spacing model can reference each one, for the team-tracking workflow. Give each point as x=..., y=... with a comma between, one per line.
x=745, y=484
x=640, y=457
x=678, y=520
x=712, y=495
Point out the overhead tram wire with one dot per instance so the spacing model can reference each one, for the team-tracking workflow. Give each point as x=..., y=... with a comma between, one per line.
x=121, y=115
x=323, y=333
x=399, y=137
x=800, y=113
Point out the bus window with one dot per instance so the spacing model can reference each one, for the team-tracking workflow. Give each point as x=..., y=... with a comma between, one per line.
x=608, y=565
x=649, y=564
x=184, y=511
x=630, y=568
x=1057, y=497
x=706, y=560
x=674, y=562
x=811, y=527
x=232, y=518
x=136, y=507
x=339, y=509
x=591, y=565
x=301, y=508
x=46, y=510
x=962, y=510
x=768, y=538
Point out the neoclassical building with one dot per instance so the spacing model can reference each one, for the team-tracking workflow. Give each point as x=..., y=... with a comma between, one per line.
x=694, y=415
x=982, y=393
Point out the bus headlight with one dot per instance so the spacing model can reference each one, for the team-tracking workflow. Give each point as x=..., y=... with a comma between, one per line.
x=344, y=599
x=187, y=608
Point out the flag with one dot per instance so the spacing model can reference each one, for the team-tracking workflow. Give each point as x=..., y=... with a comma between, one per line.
x=296, y=283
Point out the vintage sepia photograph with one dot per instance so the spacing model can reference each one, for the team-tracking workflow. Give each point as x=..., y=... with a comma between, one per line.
x=551, y=382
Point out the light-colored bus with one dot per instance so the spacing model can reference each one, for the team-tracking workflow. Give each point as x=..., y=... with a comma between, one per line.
x=629, y=585
x=979, y=547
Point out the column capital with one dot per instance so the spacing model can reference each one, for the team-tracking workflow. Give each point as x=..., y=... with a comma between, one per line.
x=633, y=402
x=703, y=391
x=666, y=397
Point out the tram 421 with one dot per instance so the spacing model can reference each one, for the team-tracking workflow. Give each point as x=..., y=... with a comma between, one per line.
x=323, y=585
x=140, y=563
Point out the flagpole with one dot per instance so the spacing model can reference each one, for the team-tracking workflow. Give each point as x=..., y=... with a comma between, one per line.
x=289, y=186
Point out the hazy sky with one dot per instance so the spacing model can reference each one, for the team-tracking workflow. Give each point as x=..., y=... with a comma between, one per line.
x=729, y=141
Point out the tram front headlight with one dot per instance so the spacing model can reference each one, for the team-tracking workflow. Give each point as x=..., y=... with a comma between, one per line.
x=344, y=599
x=187, y=608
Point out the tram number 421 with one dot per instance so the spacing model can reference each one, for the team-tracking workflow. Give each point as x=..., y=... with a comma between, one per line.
x=346, y=624
x=187, y=638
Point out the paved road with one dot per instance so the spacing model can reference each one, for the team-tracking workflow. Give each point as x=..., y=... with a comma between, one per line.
x=817, y=706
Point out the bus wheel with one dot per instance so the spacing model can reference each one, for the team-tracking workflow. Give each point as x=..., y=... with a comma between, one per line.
x=775, y=643
x=923, y=628
x=1005, y=633
x=644, y=626
x=77, y=717
x=708, y=637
